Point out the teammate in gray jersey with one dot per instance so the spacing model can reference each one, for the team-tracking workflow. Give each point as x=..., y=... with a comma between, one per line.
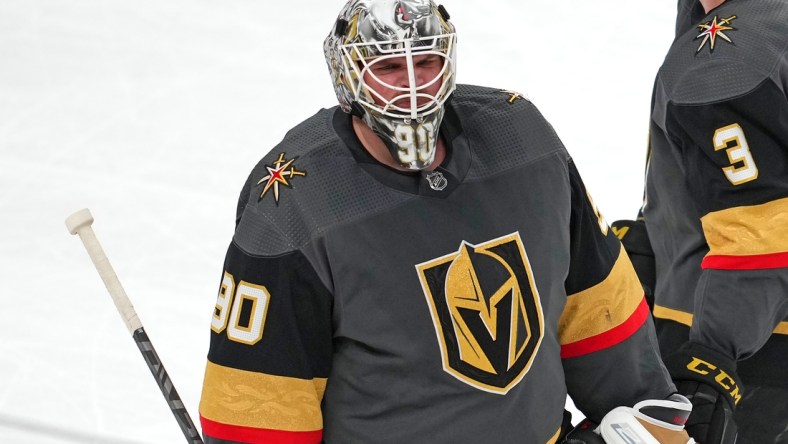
x=716, y=214
x=423, y=264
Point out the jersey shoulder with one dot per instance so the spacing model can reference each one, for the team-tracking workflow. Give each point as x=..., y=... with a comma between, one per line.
x=733, y=50
x=305, y=185
x=504, y=129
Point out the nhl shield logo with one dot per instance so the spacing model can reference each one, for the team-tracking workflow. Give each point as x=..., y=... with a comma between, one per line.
x=486, y=311
x=437, y=181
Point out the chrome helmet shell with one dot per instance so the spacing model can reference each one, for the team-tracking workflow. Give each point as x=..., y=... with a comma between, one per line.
x=368, y=32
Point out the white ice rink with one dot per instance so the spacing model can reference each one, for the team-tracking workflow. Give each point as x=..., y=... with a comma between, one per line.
x=152, y=112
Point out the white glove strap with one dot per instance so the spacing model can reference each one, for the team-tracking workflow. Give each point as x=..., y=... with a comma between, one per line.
x=620, y=426
x=677, y=403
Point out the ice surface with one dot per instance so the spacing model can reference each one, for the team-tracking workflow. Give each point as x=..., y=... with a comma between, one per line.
x=151, y=113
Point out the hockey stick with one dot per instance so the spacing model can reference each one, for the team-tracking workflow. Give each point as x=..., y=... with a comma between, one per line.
x=80, y=223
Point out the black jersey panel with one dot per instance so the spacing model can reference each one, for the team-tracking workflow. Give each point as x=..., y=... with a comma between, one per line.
x=715, y=140
x=594, y=247
x=297, y=336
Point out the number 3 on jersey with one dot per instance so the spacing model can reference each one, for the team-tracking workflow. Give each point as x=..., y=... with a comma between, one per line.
x=246, y=316
x=731, y=139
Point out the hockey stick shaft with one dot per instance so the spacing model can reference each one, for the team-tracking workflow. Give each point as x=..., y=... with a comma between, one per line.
x=80, y=223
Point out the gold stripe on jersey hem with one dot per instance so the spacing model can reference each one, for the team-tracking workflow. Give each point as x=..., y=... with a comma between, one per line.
x=604, y=306
x=554, y=438
x=748, y=230
x=682, y=317
x=250, y=399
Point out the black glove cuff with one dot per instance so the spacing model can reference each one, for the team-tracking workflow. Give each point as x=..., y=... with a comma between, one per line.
x=583, y=433
x=695, y=362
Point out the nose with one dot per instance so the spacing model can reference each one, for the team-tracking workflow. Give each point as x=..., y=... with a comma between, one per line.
x=420, y=77
x=404, y=77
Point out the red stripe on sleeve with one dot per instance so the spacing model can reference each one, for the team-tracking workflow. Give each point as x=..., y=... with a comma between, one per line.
x=609, y=338
x=251, y=434
x=750, y=262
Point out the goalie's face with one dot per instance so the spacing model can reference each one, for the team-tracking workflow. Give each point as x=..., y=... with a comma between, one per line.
x=403, y=84
x=393, y=65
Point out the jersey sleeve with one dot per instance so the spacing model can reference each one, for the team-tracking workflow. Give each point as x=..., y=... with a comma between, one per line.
x=270, y=351
x=608, y=344
x=736, y=156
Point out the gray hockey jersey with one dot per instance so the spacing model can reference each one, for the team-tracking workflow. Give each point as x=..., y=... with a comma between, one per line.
x=716, y=205
x=359, y=304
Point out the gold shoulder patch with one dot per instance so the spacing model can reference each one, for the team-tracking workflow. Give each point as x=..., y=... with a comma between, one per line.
x=709, y=31
x=513, y=96
x=282, y=171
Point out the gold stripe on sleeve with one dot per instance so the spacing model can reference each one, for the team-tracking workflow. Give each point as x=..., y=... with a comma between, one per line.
x=748, y=230
x=249, y=399
x=682, y=317
x=604, y=306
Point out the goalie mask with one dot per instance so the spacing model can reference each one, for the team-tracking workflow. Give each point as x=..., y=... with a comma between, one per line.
x=393, y=65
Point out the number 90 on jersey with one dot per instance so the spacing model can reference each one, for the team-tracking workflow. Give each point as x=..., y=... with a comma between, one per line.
x=240, y=310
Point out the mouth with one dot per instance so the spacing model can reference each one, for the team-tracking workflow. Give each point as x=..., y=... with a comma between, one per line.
x=421, y=102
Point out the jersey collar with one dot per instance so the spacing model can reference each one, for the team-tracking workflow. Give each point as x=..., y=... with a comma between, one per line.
x=439, y=183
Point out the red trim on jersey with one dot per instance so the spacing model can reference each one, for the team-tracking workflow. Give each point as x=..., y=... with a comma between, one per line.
x=609, y=338
x=252, y=434
x=750, y=262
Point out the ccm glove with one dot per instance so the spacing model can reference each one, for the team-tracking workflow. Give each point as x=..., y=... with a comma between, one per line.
x=709, y=380
x=634, y=238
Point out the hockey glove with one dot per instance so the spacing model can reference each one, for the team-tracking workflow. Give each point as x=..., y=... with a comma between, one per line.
x=708, y=379
x=651, y=421
x=634, y=238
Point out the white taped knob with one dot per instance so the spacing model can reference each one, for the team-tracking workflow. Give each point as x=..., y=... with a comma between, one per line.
x=79, y=220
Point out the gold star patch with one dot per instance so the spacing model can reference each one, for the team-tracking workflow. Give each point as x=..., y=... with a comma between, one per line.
x=513, y=96
x=709, y=32
x=279, y=172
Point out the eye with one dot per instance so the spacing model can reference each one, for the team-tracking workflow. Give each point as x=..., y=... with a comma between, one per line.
x=430, y=61
x=384, y=67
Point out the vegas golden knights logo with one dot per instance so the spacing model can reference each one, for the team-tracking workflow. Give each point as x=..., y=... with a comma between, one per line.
x=486, y=312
